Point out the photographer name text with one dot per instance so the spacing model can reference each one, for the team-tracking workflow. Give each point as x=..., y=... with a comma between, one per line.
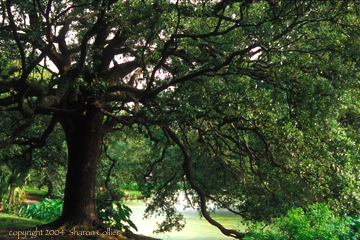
x=72, y=232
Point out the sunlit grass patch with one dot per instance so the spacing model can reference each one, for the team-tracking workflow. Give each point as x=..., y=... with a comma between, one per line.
x=34, y=190
x=7, y=220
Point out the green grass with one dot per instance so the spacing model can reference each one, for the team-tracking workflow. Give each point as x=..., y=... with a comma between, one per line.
x=35, y=190
x=7, y=220
x=132, y=194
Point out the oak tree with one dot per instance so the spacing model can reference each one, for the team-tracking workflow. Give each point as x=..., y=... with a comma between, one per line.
x=247, y=96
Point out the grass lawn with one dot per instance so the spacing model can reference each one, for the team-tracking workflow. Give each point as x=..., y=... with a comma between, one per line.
x=36, y=190
x=7, y=220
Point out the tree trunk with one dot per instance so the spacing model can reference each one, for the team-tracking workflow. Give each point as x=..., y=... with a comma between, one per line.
x=11, y=199
x=11, y=195
x=50, y=189
x=83, y=137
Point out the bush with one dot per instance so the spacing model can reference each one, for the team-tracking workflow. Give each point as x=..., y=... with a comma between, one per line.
x=116, y=215
x=132, y=186
x=316, y=223
x=12, y=209
x=47, y=209
x=112, y=212
x=354, y=225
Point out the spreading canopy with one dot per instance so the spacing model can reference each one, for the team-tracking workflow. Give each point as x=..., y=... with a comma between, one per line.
x=251, y=104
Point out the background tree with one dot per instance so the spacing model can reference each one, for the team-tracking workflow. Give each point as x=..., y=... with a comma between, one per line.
x=249, y=92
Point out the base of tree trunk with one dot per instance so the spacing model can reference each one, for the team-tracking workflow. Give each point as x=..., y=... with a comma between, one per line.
x=62, y=223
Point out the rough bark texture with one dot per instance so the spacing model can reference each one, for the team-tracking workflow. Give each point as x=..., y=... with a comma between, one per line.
x=83, y=137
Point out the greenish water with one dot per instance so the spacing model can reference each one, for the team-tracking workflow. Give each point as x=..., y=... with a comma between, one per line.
x=195, y=228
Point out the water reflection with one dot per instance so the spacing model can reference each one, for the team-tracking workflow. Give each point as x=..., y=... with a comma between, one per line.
x=195, y=228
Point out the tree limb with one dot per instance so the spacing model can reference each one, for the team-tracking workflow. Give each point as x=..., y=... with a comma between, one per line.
x=188, y=171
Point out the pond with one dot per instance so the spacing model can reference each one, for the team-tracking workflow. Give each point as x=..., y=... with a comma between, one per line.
x=195, y=228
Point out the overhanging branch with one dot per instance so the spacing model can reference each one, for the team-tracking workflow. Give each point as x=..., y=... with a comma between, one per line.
x=16, y=133
x=188, y=171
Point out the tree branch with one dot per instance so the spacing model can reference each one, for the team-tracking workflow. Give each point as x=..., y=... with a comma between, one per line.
x=188, y=171
x=16, y=37
x=16, y=133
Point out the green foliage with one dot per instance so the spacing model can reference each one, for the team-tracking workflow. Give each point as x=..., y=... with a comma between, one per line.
x=23, y=166
x=12, y=209
x=132, y=186
x=47, y=209
x=318, y=222
x=3, y=184
x=354, y=224
x=111, y=211
x=104, y=197
x=122, y=164
x=133, y=194
x=116, y=215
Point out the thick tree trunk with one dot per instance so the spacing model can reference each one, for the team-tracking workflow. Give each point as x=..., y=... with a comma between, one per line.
x=83, y=137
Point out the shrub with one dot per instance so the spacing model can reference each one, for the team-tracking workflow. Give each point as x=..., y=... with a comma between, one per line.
x=354, y=225
x=116, y=215
x=47, y=209
x=12, y=209
x=318, y=222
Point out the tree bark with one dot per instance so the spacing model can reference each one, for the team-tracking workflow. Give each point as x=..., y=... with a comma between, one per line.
x=11, y=196
x=11, y=199
x=50, y=193
x=83, y=136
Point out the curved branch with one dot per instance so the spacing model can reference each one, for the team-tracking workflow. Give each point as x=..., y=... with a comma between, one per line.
x=41, y=141
x=157, y=161
x=68, y=9
x=202, y=194
x=16, y=37
x=16, y=133
x=125, y=120
x=200, y=72
x=113, y=163
x=118, y=72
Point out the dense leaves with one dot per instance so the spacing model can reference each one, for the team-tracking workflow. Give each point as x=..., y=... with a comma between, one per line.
x=317, y=223
x=47, y=209
x=117, y=215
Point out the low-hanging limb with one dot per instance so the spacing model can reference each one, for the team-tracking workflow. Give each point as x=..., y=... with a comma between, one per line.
x=113, y=163
x=10, y=140
x=188, y=172
x=148, y=174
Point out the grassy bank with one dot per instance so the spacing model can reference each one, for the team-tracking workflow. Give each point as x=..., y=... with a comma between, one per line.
x=7, y=220
x=34, y=190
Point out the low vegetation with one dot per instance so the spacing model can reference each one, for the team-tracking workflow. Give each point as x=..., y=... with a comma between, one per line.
x=317, y=222
x=7, y=220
